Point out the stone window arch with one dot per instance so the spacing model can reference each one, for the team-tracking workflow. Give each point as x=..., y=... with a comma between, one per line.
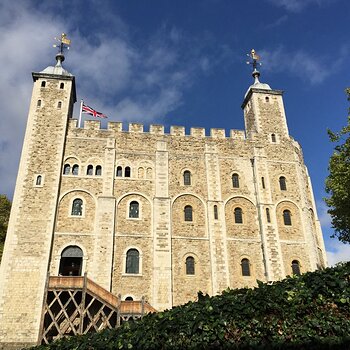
x=134, y=210
x=62, y=86
x=132, y=261
x=71, y=262
x=238, y=213
x=75, y=169
x=245, y=267
x=90, y=170
x=287, y=217
x=127, y=172
x=190, y=265
x=129, y=298
x=98, y=171
x=188, y=213
x=283, y=183
x=296, y=267
x=66, y=169
x=273, y=138
x=119, y=172
x=149, y=173
x=38, y=103
x=267, y=99
x=141, y=173
x=77, y=207
x=43, y=84
x=235, y=180
x=59, y=105
x=187, y=178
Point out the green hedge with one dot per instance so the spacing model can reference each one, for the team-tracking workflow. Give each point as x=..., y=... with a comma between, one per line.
x=311, y=311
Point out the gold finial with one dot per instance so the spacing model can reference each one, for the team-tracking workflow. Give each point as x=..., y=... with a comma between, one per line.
x=64, y=43
x=254, y=62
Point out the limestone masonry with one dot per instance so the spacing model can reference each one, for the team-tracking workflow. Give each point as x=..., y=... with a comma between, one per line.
x=149, y=213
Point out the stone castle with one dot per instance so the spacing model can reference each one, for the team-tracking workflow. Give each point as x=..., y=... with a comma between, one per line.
x=153, y=214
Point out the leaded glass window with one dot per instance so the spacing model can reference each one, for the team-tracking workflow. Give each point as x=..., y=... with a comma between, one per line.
x=295, y=267
x=90, y=170
x=77, y=207
x=98, y=171
x=238, y=216
x=235, y=180
x=283, y=185
x=188, y=213
x=287, y=218
x=187, y=178
x=66, y=169
x=132, y=261
x=245, y=267
x=134, y=209
x=190, y=269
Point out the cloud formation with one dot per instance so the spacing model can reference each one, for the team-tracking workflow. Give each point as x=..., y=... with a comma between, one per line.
x=298, y=5
x=337, y=252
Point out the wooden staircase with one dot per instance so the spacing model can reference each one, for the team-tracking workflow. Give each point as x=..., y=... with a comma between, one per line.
x=77, y=305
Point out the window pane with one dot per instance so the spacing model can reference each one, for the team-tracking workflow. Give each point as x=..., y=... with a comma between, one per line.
x=273, y=138
x=268, y=218
x=75, y=169
x=238, y=216
x=283, y=185
x=38, y=180
x=119, y=171
x=127, y=172
x=295, y=267
x=134, y=209
x=190, y=266
x=187, y=178
x=245, y=267
x=188, y=213
x=90, y=170
x=287, y=218
x=77, y=207
x=216, y=212
x=98, y=170
x=66, y=169
x=235, y=181
x=132, y=261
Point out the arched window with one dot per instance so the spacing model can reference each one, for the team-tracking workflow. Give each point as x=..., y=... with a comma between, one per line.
x=238, y=216
x=268, y=218
x=129, y=299
x=38, y=103
x=188, y=213
x=187, y=178
x=43, y=83
x=141, y=173
x=127, y=171
x=263, y=182
x=98, y=171
x=267, y=99
x=119, y=171
x=59, y=105
x=216, y=216
x=295, y=267
x=71, y=261
x=77, y=207
x=66, y=169
x=75, y=169
x=273, y=137
x=90, y=170
x=133, y=209
x=132, y=261
x=190, y=270
x=62, y=86
x=283, y=185
x=235, y=180
x=245, y=265
x=38, y=180
x=287, y=218
x=149, y=173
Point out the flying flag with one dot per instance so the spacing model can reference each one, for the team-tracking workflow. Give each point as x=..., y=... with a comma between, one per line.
x=92, y=112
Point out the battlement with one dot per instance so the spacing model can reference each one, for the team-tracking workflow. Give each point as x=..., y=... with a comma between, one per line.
x=157, y=129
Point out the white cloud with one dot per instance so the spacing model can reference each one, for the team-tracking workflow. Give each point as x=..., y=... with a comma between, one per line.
x=113, y=74
x=299, y=5
x=338, y=252
x=313, y=68
x=323, y=216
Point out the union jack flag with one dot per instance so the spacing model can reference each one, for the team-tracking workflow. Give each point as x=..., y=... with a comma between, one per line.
x=91, y=111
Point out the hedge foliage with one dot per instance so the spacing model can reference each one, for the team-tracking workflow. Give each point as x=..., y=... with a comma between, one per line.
x=311, y=311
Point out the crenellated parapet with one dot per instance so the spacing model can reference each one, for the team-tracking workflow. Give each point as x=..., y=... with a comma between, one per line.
x=157, y=129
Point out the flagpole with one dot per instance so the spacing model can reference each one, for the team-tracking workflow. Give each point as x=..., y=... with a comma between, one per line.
x=81, y=109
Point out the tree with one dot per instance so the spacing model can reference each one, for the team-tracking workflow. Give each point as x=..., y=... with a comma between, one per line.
x=5, y=208
x=338, y=182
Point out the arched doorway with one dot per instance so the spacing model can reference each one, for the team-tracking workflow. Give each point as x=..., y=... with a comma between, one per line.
x=71, y=261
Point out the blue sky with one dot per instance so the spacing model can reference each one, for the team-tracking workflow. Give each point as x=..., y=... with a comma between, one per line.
x=183, y=63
